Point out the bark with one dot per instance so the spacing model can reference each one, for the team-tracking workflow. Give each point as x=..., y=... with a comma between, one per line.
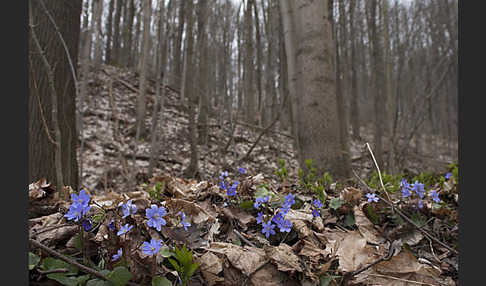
x=202, y=17
x=177, y=46
x=127, y=32
x=354, y=76
x=249, y=65
x=109, y=32
x=98, y=30
x=141, y=101
x=41, y=99
x=188, y=91
x=258, y=63
x=115, y=59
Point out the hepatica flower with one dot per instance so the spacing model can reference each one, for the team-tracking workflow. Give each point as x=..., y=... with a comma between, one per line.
x=128, y=208
x=405, y=188
x=317, y=203
x=79, y=207
x=155, y=216
x=285, y=225
x=124, y=229
x=448, y=176
x=285, y=208
x=290, y=199
x=87, y=224
x=242, y=170
x=231, y=191
x=420, y=204
x=111, y=225
x=75, y=212
x=82, y=199
x=152, y=247
x=315, y=213
x=419, y=189
x=184, y=223
x=268, y=228
x=372, y=198
x=435, y=196
x=259, y=218
x=118, y=254
x=223, y=175
x=260, y=201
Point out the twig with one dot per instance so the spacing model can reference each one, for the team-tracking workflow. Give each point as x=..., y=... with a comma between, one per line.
x=60, y=270
x=379, y=173
x=51, y=228
x=401, y=279
x=72, y=262
x=243, y=238
x=424, y=232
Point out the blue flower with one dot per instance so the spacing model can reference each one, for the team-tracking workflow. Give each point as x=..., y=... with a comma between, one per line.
x=315, y=213
x=419, y=189
x=435, y=196
x=278, y=218
x=111, y=225
x=128, y=208
x=317, y=203
x=82, y=199
x=285, y=208
x=420, y=204
x=118, y=254
x=448, y=176
x=155, y=216
x=223, y=175
x=152, y=247
x=372, y=198
x=268, y=228
x=259, y=201
x=285, y=225
x=124, y=229
x=242, y=170
x=75, y=212
x=87, y=224
x=223, y=185
x=290, y=199
x=259, y=218
x=405, y=188
x=232, y=190
x=184, y=223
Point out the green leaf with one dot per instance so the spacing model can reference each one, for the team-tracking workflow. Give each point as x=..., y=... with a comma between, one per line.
x=335, y=203
x=98, y=282
x=77, y=242
x=349, y=220
x=63, y=279
x=50, y=263
x=161, y=281
x=192, y=268
x=166, y=252
x=325, y=280
x=119, y=276
x=175, y=264
x=246, y=205
x=33, y=260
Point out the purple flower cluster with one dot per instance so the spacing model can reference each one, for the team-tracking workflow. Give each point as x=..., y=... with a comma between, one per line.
x=230, y=190
x=128, y=208
x=418, y=188
x=79, y=207
x=278, y=220
x=317, y=204
x=155, y=216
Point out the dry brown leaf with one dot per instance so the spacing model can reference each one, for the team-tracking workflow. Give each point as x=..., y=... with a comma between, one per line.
x=246, y=259
x=366, y=227
x=284, y=257
x=352, y=195
x=353, y=253
x=268, y=275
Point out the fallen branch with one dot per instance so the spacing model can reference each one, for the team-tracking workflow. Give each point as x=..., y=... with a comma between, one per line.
x=72, y=262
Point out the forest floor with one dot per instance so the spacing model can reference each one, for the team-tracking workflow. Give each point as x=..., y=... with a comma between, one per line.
x=352, y=241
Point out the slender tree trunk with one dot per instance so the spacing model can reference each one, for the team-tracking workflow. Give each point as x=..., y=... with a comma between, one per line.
x=258, y=63
x=249, y=66
x=109, y=32
x=354, y=76
x=141, y=105
x=202, y=71
x=128, y=32
x=115, y=59
x=98, y=56
x=177, y=47
x=51, y=83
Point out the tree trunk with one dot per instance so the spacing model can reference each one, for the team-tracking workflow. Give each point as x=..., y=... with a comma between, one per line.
x=109, y=32
x=41, y=149
x=128, y=31
x=177, y=46
x=202, y=71
x=317, y=108
x=98, y=30
x=354, y=76
x=248, y=72
x=147, y=14
x=115, y=59
x=188, y=91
